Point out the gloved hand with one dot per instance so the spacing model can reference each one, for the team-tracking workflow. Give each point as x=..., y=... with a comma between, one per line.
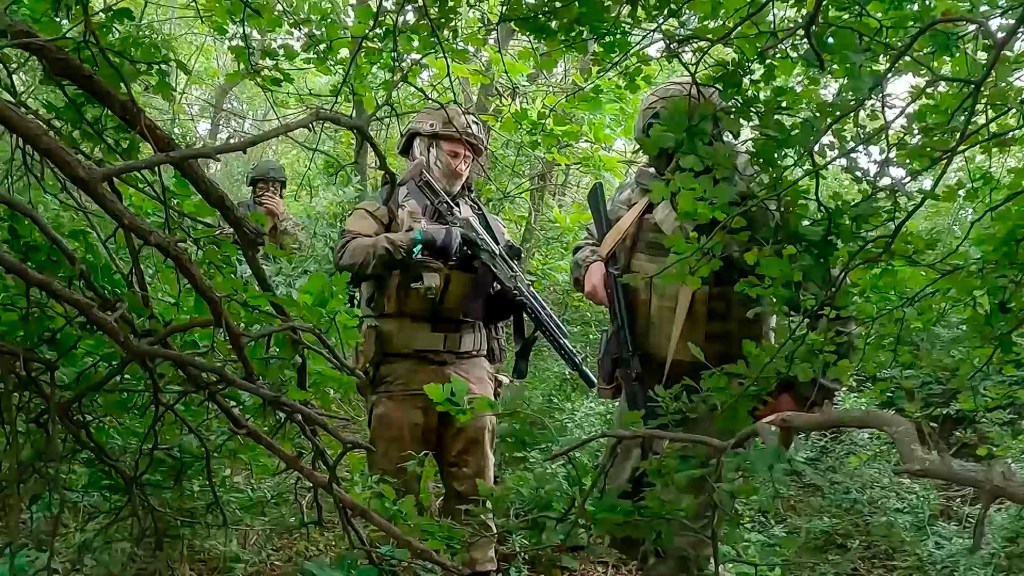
x=442, y=243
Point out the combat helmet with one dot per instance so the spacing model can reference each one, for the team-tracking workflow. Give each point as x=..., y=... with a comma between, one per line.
x=659, y=98
x=446, y=121
x=268, y=170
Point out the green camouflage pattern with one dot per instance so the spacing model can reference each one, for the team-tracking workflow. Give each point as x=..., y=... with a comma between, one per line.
x=286, y=233
x=449, y=121
x=724, y=337
x=685, y=549
x=268, y=170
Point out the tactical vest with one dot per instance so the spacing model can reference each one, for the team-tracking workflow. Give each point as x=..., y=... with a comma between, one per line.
x=427, y=307
x=668, y=315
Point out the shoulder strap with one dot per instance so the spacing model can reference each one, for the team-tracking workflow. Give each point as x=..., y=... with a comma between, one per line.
x=615, y=236
x=683, y=298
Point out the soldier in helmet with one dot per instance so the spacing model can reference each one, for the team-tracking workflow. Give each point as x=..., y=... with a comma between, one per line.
x=267, y=181
x=668, y=316
x=432, y=314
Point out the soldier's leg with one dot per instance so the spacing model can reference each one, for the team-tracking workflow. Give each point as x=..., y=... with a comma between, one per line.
x=500, y=382
x=626, y=480
x=402, y=425
x=684, y=547
x=687, y=548
x=466, y=457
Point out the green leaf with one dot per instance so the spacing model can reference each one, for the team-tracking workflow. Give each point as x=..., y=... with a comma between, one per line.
x=696, y=351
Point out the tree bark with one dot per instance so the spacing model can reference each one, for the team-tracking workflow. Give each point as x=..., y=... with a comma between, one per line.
x=540, y=187
x=482, y=103
x=220, y=98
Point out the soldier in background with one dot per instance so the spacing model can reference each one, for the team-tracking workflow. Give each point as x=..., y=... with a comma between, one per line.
x=267, y=181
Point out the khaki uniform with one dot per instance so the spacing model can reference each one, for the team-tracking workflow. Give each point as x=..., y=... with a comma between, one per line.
x=286, y=233
x=716, y=321
x=425, y=323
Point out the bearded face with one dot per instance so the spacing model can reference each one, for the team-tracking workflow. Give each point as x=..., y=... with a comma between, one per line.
x=267, y=188
x=447, y=161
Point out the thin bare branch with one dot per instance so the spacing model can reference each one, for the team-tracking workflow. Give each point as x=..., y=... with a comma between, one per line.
x=214, y=151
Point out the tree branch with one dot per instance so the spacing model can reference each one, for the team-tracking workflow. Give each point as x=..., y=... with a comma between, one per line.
x=812, y=20
x=916, y=459
x=136, y=350
x=242, y=427
x=58, y=242
x=83, y=175
x=177, y=156
x=61, y=64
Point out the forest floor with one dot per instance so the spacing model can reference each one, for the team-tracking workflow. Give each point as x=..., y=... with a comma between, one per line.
x=588, y=569
x=603, y=569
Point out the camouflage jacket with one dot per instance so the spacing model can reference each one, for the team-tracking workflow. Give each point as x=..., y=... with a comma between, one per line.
x=718, y=317
x=376, y=248
x=286, y=233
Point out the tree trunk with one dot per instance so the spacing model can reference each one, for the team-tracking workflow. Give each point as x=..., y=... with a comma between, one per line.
x=360, y=113
x=220, y=97
x=482, y=102
x=540, y=186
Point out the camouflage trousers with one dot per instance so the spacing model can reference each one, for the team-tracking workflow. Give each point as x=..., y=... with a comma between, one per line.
x=404, y=423
x=682, y=546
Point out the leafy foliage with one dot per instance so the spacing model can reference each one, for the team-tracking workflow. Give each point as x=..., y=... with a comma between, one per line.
x=888, y=132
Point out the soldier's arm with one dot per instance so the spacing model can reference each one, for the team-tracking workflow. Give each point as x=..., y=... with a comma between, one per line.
x=366, y=248
x=225, y=231
x=832, y=318
x=836, y=317
x=501, y=303
x=289, y=234
x=586, y=251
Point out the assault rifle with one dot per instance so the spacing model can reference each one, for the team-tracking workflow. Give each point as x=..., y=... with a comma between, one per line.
x=618, y=363
x=483, y=244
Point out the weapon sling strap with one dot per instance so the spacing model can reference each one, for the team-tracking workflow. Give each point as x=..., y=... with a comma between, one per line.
x=618, y=232
x=682, y=308
x=522, y=342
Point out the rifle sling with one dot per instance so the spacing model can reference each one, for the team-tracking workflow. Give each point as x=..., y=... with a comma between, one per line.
x=682, y=308
x=481, y=216
x=618, y=232
x=524, y=345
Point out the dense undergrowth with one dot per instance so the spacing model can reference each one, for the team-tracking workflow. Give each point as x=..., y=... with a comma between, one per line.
x=161, y=388
x=834, y=505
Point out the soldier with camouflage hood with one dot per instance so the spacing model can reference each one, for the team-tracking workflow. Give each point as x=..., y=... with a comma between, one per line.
x=688, y=151
x=432, y=314
x=267, y=181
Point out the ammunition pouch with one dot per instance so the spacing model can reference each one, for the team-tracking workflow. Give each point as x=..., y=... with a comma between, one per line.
x=496, y=351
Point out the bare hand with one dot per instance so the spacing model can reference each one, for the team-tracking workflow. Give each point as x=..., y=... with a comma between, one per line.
x=782, y=403
x=273, y=205
x=593, y=284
